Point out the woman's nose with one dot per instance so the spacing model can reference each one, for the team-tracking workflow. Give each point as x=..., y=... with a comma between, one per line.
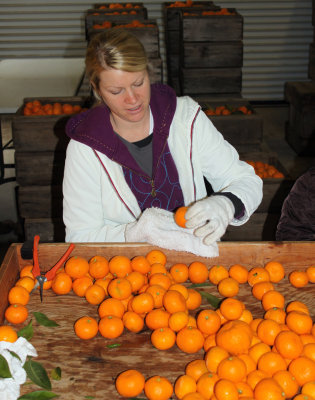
x=131, y=96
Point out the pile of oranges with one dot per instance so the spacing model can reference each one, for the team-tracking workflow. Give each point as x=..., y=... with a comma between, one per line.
x=246, y=358
x=118, y=5
x=265, y=170
x=222, y=11
x=133, y=24
x=103, y=25
x=132, y=12
x=35, y=107
x=228, y=110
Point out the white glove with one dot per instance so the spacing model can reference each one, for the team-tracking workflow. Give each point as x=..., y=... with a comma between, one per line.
x=211, y=217
x=157, y=227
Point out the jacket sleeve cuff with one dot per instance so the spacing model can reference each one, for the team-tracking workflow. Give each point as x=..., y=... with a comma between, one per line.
x=238, y=204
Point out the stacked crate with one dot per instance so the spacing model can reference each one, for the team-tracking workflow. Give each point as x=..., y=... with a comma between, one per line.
x=40, y=146
x=300, y=129
x=211, y=53
x=238, y=122
x=134, y=18
x=171, y=13
x=97, y=16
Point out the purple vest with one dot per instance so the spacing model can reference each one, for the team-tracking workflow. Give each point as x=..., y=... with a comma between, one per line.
x=94, y=129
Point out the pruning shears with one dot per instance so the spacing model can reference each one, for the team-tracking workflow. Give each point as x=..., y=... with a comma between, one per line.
x=49, y=275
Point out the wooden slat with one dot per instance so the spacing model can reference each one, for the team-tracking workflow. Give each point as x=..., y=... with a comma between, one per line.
x=211, y=80
x=216, y=28
x=40, y=201
x=49, y=229
x=39, y=168
x=211, y=54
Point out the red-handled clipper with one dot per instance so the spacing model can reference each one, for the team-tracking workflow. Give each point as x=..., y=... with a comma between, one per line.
x=49, y=275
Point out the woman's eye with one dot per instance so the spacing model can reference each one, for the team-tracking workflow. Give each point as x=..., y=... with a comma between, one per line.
x=116, y=92
x=139, y=84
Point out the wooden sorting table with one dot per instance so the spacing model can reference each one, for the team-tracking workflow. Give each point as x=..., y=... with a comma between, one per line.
x=89, y=367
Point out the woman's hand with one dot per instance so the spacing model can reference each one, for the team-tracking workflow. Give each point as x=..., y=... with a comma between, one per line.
x=210, y=217
x=158, y=227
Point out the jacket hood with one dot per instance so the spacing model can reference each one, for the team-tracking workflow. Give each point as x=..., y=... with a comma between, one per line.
x=93, y=127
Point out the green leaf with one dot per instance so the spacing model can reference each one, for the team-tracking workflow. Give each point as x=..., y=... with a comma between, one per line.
x=205, y=284
x=211, y=299
x=42, y=319
x=89, y=397
x=56, y=374
x=27, y=332
x=4, y=368
x=13, y=354
x=114, y=345
x=37, y=374
x=38, y=395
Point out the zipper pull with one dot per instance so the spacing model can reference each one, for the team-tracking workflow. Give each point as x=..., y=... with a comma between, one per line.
x=153, y=192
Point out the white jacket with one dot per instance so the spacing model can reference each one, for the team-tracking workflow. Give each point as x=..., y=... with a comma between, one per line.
x=98, y=202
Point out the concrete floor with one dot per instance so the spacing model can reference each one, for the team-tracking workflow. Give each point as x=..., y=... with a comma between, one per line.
x=274, y=120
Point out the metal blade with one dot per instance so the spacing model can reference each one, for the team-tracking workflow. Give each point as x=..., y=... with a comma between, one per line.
x=41, y=280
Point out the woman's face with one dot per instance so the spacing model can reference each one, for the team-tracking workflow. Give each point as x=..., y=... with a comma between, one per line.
x=127, y=94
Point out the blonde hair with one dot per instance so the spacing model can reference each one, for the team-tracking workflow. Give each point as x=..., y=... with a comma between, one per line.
x=114, y=49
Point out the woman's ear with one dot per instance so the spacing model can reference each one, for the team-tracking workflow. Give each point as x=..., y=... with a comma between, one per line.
x=95, y=91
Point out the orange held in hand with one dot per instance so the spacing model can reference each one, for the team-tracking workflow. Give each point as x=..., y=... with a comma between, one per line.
x=179, y=216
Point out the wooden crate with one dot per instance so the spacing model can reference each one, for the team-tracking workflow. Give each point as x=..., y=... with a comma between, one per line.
x=244, y=132
x=43, y=132
x=210, y=81
x=148, y=36
x=60, y=347
x=212, y=28
x=172, y=14
x=93, y=17
x=211, y=54
x=275, y=190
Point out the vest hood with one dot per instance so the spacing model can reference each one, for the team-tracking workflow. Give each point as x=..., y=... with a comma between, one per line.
x=93, y=127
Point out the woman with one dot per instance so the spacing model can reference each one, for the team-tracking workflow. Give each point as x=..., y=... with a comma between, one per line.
x=142, y=148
